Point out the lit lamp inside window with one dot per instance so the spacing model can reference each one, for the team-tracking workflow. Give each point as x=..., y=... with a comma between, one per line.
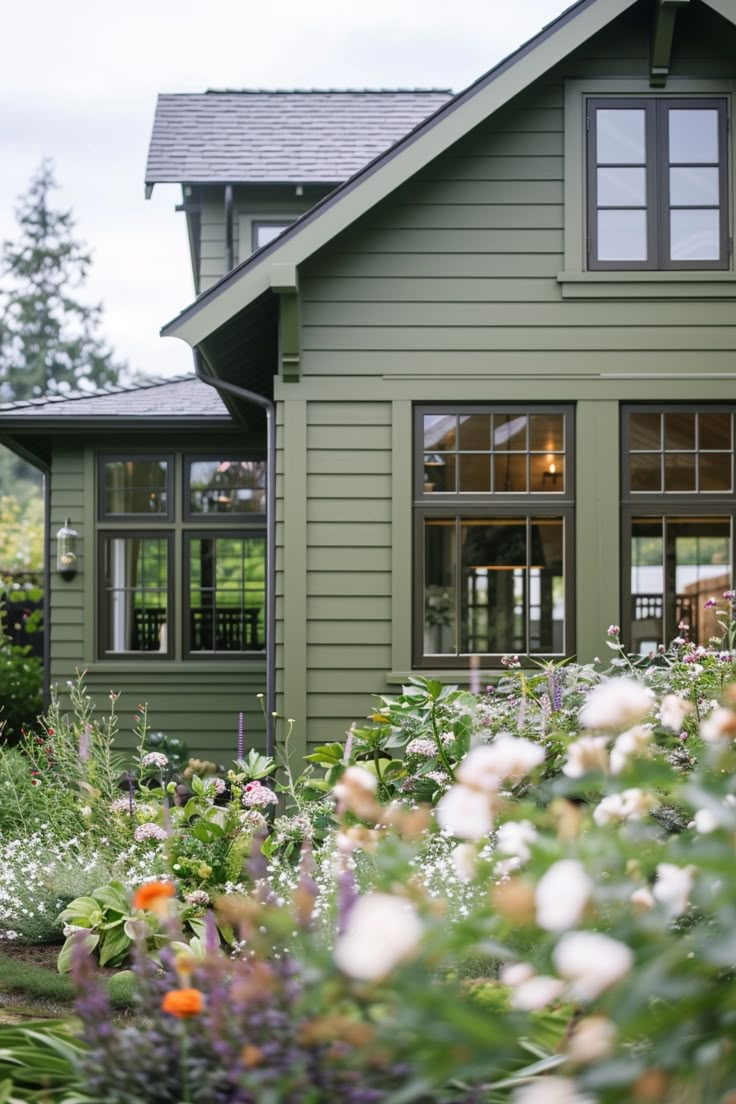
x=551, y=474
x=66, y=550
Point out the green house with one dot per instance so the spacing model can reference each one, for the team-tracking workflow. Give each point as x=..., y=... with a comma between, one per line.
x=477, y=399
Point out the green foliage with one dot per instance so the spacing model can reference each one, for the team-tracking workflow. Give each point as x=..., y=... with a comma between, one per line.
x=48, y=336
x=37, y=1062
x=111, y=926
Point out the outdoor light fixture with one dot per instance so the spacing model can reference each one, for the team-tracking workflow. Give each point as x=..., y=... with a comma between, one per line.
x=66, y=550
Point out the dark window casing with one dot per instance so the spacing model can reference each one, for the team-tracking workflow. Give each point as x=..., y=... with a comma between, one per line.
x=656, y=179
x=677, y=544
x=503, y=525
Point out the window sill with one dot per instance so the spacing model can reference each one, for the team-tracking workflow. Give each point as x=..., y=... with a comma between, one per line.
x=171, y=666
x=647, y=285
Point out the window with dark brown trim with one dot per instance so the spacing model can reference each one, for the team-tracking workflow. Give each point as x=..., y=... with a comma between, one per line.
x=493, y=525
x=657, y=183
x=170, y=584
x=678, y=511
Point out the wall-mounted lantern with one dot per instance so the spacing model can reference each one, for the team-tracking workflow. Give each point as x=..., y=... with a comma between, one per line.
x=66, y=550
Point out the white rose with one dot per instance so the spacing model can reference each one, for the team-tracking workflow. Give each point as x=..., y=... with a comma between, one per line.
x=642, y=899
x=705, y=822
x=633, y=804
x=631, y=744
x=672, y=887
x=465, y=812
x=486, y=766
x=562, y=894
x=536, y=993
x=616, y=703
x=591, y=963
x=464, y=857
x=382, y=931
x=515, y=838
x=551, y=1090
x=673, y=711
x=719, y=727
x=589, y=753
x=592, y=1040
x=516, y=973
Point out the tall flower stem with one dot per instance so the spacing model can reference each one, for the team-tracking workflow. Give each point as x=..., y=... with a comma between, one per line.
x=438, y=741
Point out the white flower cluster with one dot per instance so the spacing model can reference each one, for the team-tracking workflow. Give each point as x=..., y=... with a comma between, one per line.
x=123, y=805
x=422, y=746
x=155, y=759
x=255, y=795
x=149, y=831
x=467, y=810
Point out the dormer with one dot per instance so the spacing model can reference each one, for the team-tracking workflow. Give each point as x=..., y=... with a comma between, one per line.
x=251, y=162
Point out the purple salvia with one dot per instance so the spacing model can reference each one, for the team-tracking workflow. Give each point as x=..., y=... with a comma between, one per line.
x=241, y=736
x=211, y=934
x=557, y=691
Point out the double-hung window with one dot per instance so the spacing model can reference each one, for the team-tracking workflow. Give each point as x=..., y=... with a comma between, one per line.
x=657, y=183
x=181, y=563
x=678, y=496
x=493, y=516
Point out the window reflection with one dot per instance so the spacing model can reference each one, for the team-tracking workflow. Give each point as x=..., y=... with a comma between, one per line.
x=136, y=594
x=135, y=487
x=677, y=563
x=227, y=594
x=227, y=486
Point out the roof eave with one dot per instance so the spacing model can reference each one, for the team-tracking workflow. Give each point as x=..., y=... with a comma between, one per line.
x=428, y=141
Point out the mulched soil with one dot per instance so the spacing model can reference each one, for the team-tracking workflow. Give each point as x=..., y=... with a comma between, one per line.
x=45, y=956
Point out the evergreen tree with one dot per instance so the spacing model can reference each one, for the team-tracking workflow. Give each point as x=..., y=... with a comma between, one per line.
x=49, y=340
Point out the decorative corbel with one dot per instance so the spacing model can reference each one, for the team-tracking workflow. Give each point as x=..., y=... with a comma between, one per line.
x=665, y=14
x=285, y=283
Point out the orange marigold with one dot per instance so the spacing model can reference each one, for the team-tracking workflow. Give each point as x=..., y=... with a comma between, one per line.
x=183, y=1003
x=148, y=894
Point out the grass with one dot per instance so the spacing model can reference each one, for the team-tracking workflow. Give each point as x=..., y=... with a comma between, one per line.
x=47, y=993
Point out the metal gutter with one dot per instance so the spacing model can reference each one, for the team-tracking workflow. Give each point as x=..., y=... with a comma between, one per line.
x=270, y=408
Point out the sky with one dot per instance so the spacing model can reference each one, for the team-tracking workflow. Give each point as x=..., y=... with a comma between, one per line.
x=78, y=85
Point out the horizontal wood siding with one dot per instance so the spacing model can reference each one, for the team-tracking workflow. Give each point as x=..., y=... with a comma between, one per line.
x=348, y=562
x=455, y=273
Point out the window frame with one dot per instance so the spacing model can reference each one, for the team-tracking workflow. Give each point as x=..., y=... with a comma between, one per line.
x=104, y=458
x=188, y=515
x=102, y=619
x=457, y=505
x=657, y=191
x=190, y=535
x=668, y=505
x=175, y=527
x=267, y=224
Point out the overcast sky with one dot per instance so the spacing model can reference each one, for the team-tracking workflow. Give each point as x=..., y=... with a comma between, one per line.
x=79, y=80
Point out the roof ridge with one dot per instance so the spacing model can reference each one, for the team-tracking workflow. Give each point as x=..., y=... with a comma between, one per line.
x=112, y=389
x=313, y=92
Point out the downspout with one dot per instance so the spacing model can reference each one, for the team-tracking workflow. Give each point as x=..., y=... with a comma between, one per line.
x=270, y=407
x=229, y=249
x=47, y=587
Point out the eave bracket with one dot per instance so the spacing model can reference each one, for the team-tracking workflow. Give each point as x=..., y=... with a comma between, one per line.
x=665, y=14
x=285, y=283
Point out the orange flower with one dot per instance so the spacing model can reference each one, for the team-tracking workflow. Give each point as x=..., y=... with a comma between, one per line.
x=183, y=1003
x=152, y=892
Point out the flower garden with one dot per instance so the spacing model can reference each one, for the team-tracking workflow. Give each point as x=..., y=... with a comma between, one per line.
x=518, y=893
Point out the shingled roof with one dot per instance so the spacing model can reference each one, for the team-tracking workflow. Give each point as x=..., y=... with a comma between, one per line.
x=182, y=397
x=280, y=136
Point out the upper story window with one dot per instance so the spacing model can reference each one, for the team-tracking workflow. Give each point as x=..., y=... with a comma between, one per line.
x=493, y=512
x=265, y=230
x=657, y=183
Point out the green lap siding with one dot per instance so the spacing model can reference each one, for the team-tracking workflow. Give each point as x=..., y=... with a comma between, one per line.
x=448, y=291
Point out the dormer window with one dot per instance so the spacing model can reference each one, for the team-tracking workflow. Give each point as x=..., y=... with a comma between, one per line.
x=264, y=231
x=657, y=184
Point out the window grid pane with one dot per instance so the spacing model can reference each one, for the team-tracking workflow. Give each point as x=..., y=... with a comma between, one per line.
x=680, y=460
x=503, y=453
x=136, y=594
x=226, y=594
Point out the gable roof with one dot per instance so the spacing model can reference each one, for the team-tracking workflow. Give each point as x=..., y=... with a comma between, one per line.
x=251, y=136
x=276, y=263
x=159, y=399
